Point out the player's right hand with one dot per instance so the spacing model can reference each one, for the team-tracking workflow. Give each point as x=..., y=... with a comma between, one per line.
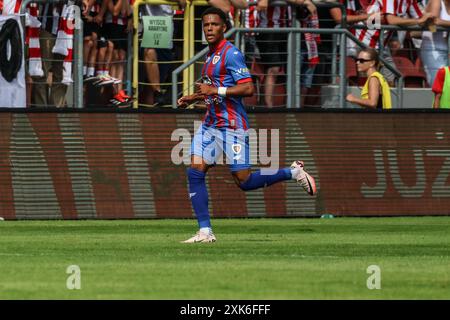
x=181, y=103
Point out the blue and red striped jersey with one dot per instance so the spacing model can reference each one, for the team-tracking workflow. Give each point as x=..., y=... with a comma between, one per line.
x=225, y=67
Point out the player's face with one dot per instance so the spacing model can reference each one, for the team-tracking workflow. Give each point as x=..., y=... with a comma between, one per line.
x=214, y=28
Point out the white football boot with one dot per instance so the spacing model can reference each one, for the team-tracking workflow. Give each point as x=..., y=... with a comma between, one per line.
x=201, y=237
x=303, y=178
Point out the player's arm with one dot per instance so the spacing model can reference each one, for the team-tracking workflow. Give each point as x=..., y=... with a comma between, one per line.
x=242, y=89
x=185, y=101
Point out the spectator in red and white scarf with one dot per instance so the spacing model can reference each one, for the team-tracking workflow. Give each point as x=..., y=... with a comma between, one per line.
x=52, y=92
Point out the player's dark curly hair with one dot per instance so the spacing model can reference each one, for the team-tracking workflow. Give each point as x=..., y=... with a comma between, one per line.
x=222, y=15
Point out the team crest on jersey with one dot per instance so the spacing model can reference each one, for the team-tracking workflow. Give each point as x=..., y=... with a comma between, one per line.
x=216, y=59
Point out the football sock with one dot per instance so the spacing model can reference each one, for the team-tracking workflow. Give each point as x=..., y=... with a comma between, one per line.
x=257, y=180
x=84, y=70
x=199, y=197
x=206, y=230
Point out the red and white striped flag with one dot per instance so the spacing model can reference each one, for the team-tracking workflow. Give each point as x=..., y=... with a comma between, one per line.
x=8, y=7
x=32, y=39
x=64, y=41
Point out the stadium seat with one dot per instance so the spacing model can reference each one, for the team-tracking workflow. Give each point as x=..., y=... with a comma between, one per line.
x=406, y=53
x=257, y=72
x=413, y=77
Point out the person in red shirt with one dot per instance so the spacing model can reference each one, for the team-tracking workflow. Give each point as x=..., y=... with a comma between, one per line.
x=441, y=89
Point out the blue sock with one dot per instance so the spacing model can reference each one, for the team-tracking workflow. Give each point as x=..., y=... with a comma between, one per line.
x=199, y=197
x=256, y=180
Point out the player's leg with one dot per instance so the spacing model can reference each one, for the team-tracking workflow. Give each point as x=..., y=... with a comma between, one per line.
x=247, y=180
x=202, y=158
x=271, y=48
x=237, y=151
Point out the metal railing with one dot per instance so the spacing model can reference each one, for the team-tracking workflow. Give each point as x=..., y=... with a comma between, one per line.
x=293, y=81
x=135, y=41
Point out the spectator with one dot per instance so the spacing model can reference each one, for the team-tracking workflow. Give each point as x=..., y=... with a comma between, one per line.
x=228, y=6
x=309, y=58
x=356, y=14
x=105, y=49
x=250, y=21
x=90, y=33
x=376, y=92
x=46, y=91
x=434, y=50
x=272, y=46
x=392, y=12
x=441, y=88
x=118, y=22
x=157, y=60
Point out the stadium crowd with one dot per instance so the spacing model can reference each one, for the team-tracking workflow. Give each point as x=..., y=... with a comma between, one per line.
x=422, y=57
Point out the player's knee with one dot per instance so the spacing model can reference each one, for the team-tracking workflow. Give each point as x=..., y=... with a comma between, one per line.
x=195, y=174
x=244, y=185
x=241, y=181
x=199, y=167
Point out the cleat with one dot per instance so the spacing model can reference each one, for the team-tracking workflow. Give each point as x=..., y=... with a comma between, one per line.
x=303, y=178
x=201, y=237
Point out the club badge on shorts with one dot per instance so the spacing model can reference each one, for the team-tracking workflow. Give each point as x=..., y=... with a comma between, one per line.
x=237, y=150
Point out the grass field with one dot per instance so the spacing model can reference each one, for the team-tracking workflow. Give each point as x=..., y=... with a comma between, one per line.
x=253, y=259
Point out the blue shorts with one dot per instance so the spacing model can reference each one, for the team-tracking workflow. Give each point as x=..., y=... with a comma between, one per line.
x=222, y=146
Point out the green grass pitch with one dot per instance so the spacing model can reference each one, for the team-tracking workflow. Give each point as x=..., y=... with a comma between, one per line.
x=253, y=259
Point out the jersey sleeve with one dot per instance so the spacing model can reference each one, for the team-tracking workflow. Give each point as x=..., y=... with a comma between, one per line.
x=237, y=68
x=438, y=84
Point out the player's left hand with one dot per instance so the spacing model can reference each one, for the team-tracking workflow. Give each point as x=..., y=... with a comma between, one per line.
x=205, y=89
